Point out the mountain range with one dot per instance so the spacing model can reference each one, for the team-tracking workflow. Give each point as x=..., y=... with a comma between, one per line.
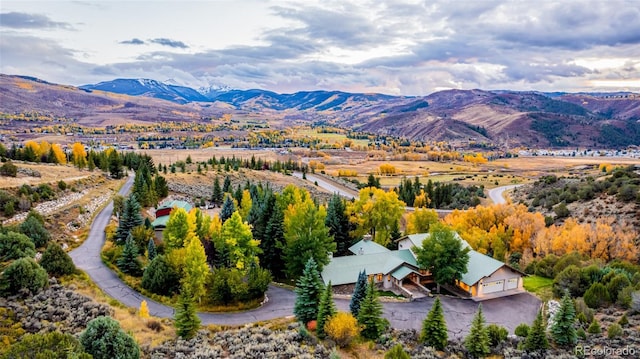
x=500, y=118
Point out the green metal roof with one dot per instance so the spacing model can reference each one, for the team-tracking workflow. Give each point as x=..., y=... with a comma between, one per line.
x=345, y=270
x=418, y=238
x=479, y=266
x=160, y=221
x=402, y=272
x=367, y=247
x=180, y=204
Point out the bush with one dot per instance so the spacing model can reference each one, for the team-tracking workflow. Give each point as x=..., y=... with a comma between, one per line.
x=397, y=352
x=8, y=169
x=33, y=228
x=544, y=268
x=23, y=273
x=522, y=330
x=104, y=339
x=160, y=277
x=570, y=279
x=15, y=245
x=62, y=185
x=614, y=330
x=53, y=345
x=615, y=286
x=497, y=334
x=342, y=328
x=258, y=280
x=624, y=321
x=56, y=261
x=594, y=327
x=596, y=296
x=566, y=261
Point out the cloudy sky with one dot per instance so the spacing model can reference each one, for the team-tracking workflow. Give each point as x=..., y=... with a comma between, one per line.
x=397, y=47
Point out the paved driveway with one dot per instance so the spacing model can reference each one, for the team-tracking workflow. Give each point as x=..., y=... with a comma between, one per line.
x=507, y=311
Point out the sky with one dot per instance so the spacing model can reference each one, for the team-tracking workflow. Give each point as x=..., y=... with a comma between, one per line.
x=396, y=47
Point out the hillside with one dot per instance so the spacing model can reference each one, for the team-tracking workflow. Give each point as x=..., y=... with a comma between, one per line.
x=496, y=118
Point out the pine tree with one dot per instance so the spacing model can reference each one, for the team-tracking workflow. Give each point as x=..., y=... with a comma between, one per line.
x=563, y=330
x=186, y=318
x=151, y=250
x=226, y=186
x=272, y=242
x=537, y=337
x=228, y=207
x=216, y=198
x=115, y=165
x=359, y=293
x=370, y=314
x=128, y=261
x=477, y=342
x=338, y=224
x=308, y=290
x=434, y=327
x=56, y=261
x=130, y=218
x=326, y=310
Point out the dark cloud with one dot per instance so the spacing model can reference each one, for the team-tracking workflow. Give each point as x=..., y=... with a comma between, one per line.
x=168, y=42
x=134, y=41
x=21, y=20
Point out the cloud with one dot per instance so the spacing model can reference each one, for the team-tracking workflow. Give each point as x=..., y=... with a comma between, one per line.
x=21, y=20
x=134, y=41
x=168, y=42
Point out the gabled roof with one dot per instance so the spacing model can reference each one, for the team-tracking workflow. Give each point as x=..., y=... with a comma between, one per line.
x=176, y=203
x=418, y=238
x=345, y=270
x=367, y=247
x=402, y=272
x=160, y=222
x=480, y=266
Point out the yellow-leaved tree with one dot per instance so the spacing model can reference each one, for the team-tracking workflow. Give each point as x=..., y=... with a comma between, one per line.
x=144, y=310
x=376, y=212
x=79, y=155
x=196, y=269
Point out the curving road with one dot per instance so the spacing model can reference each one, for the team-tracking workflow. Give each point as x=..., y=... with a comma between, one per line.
x=508, y=311
x=497, y=194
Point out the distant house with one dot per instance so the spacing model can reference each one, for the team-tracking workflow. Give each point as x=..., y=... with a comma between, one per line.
x=398, y=269
x=163, y=212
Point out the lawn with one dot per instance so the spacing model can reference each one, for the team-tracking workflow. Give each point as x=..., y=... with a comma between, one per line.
x=540, y=286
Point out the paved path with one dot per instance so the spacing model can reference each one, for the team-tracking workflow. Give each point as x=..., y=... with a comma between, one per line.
x=497, y=194
x=508, y=312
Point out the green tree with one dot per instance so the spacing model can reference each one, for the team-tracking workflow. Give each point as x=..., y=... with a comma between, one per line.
x=370, y=314
x=306, y=237
x=597, y=296
x=376, y=212
x=35, y=230
x=15, y=245
x=177, y=229
x=152, y=251
x=242, y=248
x=186, y=319
x=338, y=223
x=216, y=198
x=130, y=218
x=196, y=269
x=258, y=280
x=23, y=273
x=228, y=207
x=308, y=289
x=563, y=330
x=397, y=352
x=537, y=337
x=128, y=262
x=160, y=278
x=594, y=327
x=443, y=254
x=56, y=261
x=52, y=345
x=497, y=334
x=115, y=165
x=326, y=309
x=226, y=186
x=272, y=243
x=359, y=292
x=434, y=327
x=420, y=220
x=477, y=342
x=104, y=339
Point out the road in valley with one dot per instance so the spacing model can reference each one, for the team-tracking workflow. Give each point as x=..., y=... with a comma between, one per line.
x=497, y=194
x=329, y=185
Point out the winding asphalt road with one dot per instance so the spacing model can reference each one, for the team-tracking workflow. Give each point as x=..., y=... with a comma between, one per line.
x=508, y=311
x=497, y=194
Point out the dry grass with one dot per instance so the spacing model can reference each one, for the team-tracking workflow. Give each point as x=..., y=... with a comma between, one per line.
x=167, y=156
x=48, y=173
x=550, y=163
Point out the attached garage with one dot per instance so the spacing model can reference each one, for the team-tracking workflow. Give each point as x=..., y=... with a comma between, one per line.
x=488, y=278
x=492, y=287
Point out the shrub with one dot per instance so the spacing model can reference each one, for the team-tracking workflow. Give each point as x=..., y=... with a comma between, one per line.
x=594, y=327
x=104, y=339
x=56, y=261
x=23, y=273
x=569, y=279
x=15, y=245
x=544, y=268
x=62, y=185
x=53, y=345
x=397, y=352
x=160, y=277
x=258, y=280
x=624, y=321
x=581, y=334
x=33, y=228
x=497, y=334
x=596, y=296
x=522, y=330
x=566, y=261
x=616, y=284
x=614, y=330
x=8, y=169
x=342, y=328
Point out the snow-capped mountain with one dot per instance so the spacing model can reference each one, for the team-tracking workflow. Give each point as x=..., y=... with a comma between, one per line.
x=150, y=88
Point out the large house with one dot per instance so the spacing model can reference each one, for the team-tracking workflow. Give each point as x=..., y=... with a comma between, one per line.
x=398, y=269
x=163, y=212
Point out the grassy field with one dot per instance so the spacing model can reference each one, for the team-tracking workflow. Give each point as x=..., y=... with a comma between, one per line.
x=327, y=138
x=48, y=173
x=540, y=286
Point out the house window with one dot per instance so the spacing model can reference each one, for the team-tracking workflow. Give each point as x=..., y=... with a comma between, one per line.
x=379, y=277
x=388, y=277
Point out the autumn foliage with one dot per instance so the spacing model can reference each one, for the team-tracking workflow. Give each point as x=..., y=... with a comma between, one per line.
x=342, y=328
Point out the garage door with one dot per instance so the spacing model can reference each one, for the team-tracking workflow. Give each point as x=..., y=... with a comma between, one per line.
x=512, y=283
x=492, y=287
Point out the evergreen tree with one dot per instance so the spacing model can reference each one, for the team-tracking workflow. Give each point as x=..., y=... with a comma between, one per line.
x=308, y=289
x=537, y=337
x=370, y=314
x=160, y=278
x=228, y=207
x=216, y=198
x=56, y=261
x=115, y=165
x=226, y=186
x=338, y=224
x=152, y=252
x=23, y=273
x=161, y=186
x=477, y=342
x=15, y=245
x=397, y=352
x=104, y=339
x=130, y=218
x=326, y=309
x=34, y=229
x=359, y=293
x=186, y=318
x=563, y=331
x=434, y=327
x=128, y=261
x=272, y=242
